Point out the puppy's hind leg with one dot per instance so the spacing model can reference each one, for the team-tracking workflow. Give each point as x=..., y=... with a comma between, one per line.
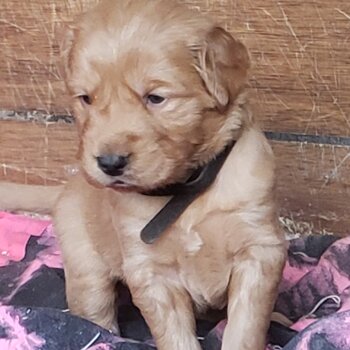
x=252, y=294
x=39, y=199
x=90, y=284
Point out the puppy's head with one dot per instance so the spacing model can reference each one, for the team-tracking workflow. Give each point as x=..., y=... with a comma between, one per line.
x=154, y=86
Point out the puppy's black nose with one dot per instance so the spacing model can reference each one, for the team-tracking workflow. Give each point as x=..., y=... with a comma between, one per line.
x=112, y=164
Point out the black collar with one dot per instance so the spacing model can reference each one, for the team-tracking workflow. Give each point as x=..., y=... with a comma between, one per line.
x=183, y=195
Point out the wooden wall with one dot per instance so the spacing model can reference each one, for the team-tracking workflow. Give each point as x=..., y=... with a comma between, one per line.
x=300, y=84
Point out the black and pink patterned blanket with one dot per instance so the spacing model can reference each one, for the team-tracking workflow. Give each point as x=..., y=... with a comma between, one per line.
x=314, y=294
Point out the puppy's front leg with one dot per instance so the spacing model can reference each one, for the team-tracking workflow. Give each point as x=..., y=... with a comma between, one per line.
x=167, y=311
x=90, y=293
x=252, y=294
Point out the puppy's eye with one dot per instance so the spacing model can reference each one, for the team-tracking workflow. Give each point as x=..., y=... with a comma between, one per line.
x=155, y=99
x=85, y=99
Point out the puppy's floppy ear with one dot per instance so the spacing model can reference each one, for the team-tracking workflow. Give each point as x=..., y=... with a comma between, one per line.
x=223, y=63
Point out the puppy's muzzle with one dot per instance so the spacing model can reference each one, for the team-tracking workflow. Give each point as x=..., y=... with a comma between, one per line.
x=112, y=164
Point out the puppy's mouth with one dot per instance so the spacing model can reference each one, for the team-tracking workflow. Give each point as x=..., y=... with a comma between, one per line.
x=122, y=185
x=119, y=183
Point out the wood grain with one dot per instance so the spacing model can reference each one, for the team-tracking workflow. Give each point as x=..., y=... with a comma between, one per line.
x=35, y=152
x=313, y=185
x=300, y=52
x=313, y=180
x=31, y=33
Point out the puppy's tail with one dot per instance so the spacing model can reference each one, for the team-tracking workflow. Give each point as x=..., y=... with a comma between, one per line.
x=38, y=199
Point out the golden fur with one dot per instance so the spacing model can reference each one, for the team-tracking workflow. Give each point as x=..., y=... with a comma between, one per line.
x=226, y=249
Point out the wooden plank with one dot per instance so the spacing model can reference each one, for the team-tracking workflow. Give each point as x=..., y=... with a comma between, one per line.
x=36, y=152
x=31, y=32
x=300, y=52
x=313, y=185
x=313, y=180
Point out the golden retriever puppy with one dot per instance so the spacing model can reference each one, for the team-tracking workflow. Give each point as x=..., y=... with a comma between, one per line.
x=159, y=100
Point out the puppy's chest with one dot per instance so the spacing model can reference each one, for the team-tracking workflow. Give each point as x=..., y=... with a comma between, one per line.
x=206, y=279
x=182, y=258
